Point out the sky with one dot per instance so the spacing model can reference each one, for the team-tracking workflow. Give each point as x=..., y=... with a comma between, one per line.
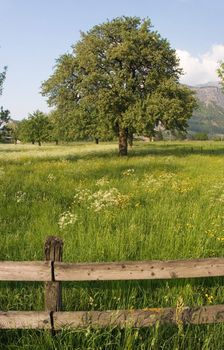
x=34, y=33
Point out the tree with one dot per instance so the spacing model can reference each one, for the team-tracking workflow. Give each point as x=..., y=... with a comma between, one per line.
x=2, y=78
x=126, y=76
x=25, y=131
x=13, y=130
x=201, y=136
x=71, y=121
x=35, y=129
x=61, y=128
x=4, y=116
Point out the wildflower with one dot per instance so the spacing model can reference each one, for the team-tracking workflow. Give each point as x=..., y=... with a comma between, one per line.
x=102, y=181
x=217, y=192
x=154, y=183
x=209, y=298
x=66, y=218
x=82, y=196
x=51, y=178
x=20, y=196
x=181, y=186
x=101, y=199
x=108, y=199
x=91, y=300
x=128, y=172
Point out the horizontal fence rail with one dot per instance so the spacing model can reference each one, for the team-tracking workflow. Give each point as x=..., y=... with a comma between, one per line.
x=39, y=271
x=25, y=320
x=53, y=271
x=139, y=270
x=111, y=318
x=136, y=270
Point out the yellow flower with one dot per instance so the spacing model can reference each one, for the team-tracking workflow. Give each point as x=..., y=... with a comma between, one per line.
x=209, y=298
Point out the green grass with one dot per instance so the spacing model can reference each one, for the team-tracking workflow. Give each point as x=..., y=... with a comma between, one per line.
x=163, y=201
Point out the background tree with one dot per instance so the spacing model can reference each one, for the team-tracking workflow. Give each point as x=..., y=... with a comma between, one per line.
x=4, y=120
x=4, y=116
x=36, y=128
x=13, y=130
x=2, y=78
x=126, y=75
x=25, y=131
x=201, y=136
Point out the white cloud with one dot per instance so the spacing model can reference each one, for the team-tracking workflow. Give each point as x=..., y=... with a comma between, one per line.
x=202, y=68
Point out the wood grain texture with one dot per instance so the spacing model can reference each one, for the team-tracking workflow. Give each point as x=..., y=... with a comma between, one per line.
x=25, y=271
x=42, y=270
x=139, y=318
x=139, y=270
x=111, y=318
x=53, y=251
x=24, y=320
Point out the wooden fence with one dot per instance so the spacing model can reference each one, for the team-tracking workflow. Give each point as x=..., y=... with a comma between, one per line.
x=53, y=271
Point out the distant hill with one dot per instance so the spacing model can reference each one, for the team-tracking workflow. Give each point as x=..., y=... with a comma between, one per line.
x=209, y=117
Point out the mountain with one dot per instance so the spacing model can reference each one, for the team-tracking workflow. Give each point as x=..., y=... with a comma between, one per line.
x=210, y=83
x=209, y=117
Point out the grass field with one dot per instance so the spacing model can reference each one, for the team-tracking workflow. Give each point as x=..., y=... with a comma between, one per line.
x=163, y=201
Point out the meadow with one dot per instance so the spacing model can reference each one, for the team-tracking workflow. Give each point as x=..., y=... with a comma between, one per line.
x=163, y=201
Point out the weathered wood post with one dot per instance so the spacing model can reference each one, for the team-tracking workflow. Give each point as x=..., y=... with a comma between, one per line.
x=53, y=297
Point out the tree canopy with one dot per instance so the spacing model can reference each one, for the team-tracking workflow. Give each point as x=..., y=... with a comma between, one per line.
x=35, y=129
x=121, y=76
x=4, y=114
x=2, y=78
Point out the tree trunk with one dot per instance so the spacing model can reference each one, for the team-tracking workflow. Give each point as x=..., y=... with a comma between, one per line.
x=96, y=140
x=123, y=142
x=39, y=143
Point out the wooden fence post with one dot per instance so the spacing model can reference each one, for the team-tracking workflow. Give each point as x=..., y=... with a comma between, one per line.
x=53, y=296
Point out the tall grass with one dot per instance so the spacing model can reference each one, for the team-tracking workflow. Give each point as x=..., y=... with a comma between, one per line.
x=164, y=201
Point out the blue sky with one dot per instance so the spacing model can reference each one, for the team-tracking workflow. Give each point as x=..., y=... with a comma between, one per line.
x=35, y=32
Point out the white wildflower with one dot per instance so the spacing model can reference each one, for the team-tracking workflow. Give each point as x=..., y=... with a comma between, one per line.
x=102, y=181
x=20, y=196
x=128, y=172
x=82, y=196
x=169, y=180
x=51, y=178
x=108, y=199
x=101, y=199
x=91, y=300
x=66, y=218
